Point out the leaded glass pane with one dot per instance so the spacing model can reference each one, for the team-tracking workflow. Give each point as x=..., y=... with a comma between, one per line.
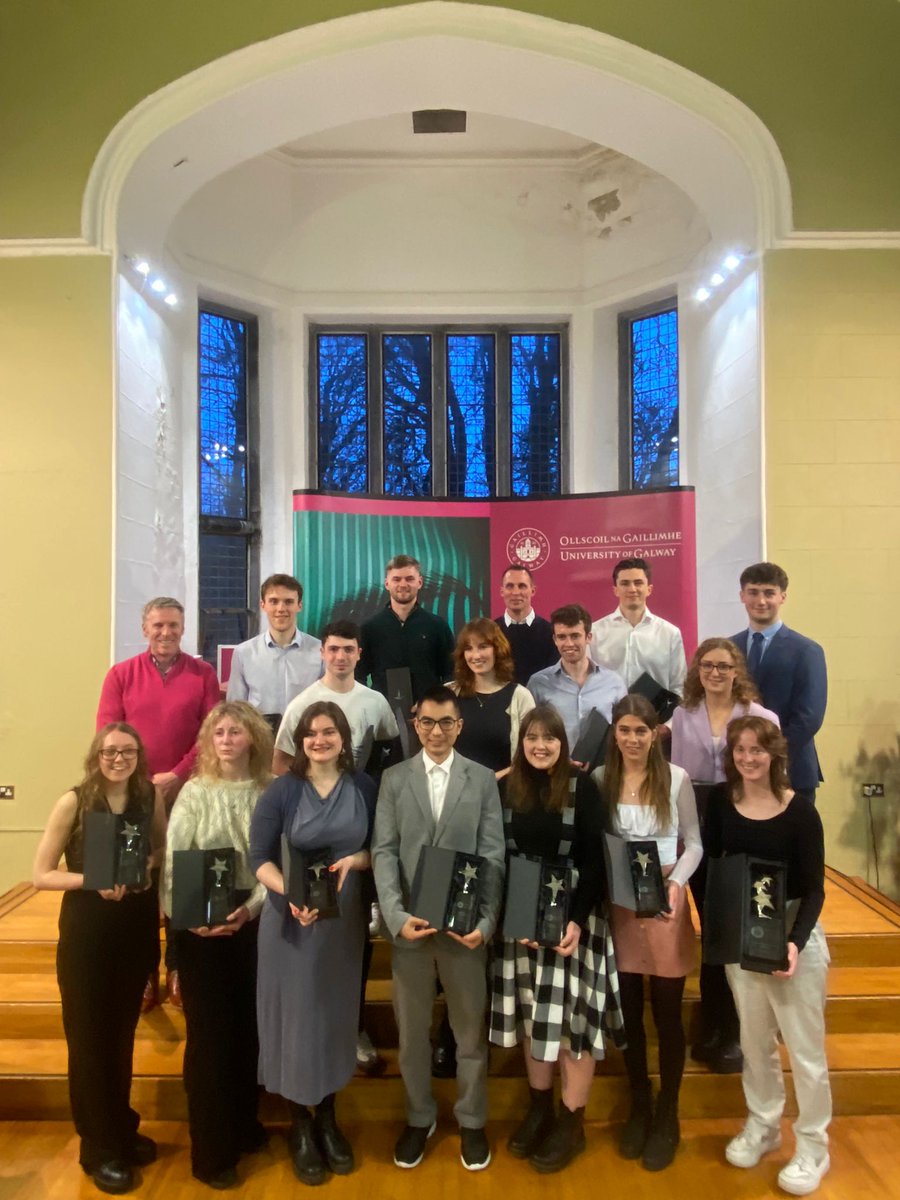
x=224, y=616
x=654, y=400
x=406, y=361
x=223, y=416
x=343, y=420
x=535, y=414
x=471, y=429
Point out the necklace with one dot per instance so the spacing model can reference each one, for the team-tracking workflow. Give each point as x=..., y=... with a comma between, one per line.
x=626, y=787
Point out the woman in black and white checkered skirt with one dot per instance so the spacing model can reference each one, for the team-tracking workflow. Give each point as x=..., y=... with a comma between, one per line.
x=561, y=1002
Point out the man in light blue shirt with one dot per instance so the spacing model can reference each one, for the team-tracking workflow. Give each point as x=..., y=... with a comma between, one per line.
x=268, y=671
x=576, y=684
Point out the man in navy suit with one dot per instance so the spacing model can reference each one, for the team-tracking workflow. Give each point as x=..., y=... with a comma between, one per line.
x=788, y=669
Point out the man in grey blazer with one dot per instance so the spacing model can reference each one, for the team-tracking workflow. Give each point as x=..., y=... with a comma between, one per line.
x=439, y=798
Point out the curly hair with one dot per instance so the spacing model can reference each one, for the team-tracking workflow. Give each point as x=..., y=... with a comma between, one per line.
x=92, y=789
x=303, y=728
x=526, y=785
x=656, y=787
x=488, y=631
x=261, y=741
x=743, y=689
x=772, y=741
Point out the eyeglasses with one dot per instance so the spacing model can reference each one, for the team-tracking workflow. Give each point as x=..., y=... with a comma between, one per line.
x=447, y=724
x=720, y=668
x=112, y=755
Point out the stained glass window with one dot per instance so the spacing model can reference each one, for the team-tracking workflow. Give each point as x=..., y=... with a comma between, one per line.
x=407, y=414
x=534, y=384
x=471, y=419
x=653, y=353
x=223, y=416
x=343, y=408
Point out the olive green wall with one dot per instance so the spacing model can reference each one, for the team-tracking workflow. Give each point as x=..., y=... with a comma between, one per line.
x=821, y=74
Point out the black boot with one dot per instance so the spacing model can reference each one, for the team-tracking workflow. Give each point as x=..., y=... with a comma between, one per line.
x=539, y=1121
x=337, y=1151
x=309, y=1166
x=636, y=1129
x=665, y=1135
x=564, y=1141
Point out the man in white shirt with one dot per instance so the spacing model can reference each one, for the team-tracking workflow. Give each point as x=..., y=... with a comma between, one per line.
x=632, y=641
x=363, y=707
x=268, y=671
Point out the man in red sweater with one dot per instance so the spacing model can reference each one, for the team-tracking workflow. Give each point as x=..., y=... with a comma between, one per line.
x=165, y=695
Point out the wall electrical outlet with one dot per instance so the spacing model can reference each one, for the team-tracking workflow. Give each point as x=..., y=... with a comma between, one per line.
x=7, y=791
x=868, y=789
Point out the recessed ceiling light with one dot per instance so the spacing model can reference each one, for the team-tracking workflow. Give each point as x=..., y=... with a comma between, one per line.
x=142, y=267
x=717, y=279
x=732, y=262
x=159, y=285
x=702, y=294
x=171, y=299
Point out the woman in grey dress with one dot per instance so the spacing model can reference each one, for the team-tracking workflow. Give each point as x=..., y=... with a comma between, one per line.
x=309, y=970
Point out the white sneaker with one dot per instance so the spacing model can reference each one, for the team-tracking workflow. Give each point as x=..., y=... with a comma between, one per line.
x=748, y=1147
x=802, y=1175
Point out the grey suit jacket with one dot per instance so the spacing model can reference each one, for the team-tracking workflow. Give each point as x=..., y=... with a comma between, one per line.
x=471, y=821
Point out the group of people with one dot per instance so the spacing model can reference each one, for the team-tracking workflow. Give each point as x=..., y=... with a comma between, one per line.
x=303, y=757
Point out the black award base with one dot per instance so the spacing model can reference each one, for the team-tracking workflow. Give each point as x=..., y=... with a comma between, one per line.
x=764, y=947
x=462, y=903
x=647, y=879
x=219, y=886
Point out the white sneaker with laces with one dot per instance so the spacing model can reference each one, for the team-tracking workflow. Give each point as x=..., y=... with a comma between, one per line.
x=748, y=1147
x=803, y=1174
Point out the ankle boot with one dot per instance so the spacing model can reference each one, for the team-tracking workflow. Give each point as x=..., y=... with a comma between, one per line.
x=665, y=1134
x=309, y=1166
x=538, y=1122
x=335, y=1148
x=565, y=1140
x=636, y=1129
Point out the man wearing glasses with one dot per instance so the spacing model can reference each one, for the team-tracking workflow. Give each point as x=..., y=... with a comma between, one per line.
x=439, y=798
x=789, y=670
x=165, y=694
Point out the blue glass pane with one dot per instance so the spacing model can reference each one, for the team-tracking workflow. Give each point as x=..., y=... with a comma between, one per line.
x=535, y=414
x=407, y=414
x=343, y=420
x=654, y=400
x=471, y=433
x=223, y=416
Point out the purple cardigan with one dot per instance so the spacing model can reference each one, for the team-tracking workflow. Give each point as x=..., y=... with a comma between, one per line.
x=693, y=747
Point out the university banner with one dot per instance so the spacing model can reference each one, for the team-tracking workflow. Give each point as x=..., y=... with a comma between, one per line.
x=341, y=545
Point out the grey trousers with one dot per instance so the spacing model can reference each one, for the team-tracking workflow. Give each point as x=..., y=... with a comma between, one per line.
x=796, y=1008
x=463, y=975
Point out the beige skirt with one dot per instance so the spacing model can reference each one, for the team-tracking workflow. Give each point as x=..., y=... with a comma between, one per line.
x=652, y=945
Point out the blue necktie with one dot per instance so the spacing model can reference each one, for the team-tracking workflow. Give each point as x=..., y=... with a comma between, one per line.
x=755, y=656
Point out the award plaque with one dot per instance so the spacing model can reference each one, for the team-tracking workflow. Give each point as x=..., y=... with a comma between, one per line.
x=590, y=748
x=764, y=937
x=647, y=879
x=462, y=902
x=219, y=889
x=537, y=901
x=553, y=905
x=664, y=702
x=116, y=849
x=133, y=852
x=308, y=883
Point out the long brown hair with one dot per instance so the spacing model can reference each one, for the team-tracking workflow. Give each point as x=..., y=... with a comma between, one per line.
x=322, y=708
x=261, y=741
x=743, y=689
x=772, y=741
x=526, y=785
x=92, y=789
x=656, y=787
x=490, y=632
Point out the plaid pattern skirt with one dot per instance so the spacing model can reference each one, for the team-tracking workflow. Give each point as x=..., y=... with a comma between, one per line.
x=557, y=1003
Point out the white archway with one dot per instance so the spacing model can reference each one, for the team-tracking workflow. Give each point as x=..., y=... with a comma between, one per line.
x=437, y=55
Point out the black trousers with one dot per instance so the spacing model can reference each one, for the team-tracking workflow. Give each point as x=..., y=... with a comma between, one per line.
x=218, y=985
x=105, y=953
x=718, y=1015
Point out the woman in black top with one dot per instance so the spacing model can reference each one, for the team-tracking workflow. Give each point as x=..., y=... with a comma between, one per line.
x=764, y=818
x=108, y=942
x=559, y=1001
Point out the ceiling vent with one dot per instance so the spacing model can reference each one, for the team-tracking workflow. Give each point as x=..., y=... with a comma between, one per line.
x=439, y=120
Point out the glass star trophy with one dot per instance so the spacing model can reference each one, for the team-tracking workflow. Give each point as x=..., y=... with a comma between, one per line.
x=219, y=889
x=647, y=879
x=321, y=884
x=462, y=906
x=553, y=906
x=765, y=934
x=132, y=851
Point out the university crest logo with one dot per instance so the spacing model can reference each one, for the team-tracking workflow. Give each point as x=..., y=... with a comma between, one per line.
x=529, y=547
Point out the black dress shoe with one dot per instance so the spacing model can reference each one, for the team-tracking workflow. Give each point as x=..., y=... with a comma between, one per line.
x=703, y=1050
x=727, y=1059
x=220, y=1180
x=143, y=1151
x=114, y=1177
x=336, y=1150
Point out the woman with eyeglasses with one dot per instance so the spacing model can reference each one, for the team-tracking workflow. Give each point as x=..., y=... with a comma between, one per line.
x=310, y=969
x=717, y=690
x=217, y=962
x=108, y=942
x=763, y=818
x=647, y=799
